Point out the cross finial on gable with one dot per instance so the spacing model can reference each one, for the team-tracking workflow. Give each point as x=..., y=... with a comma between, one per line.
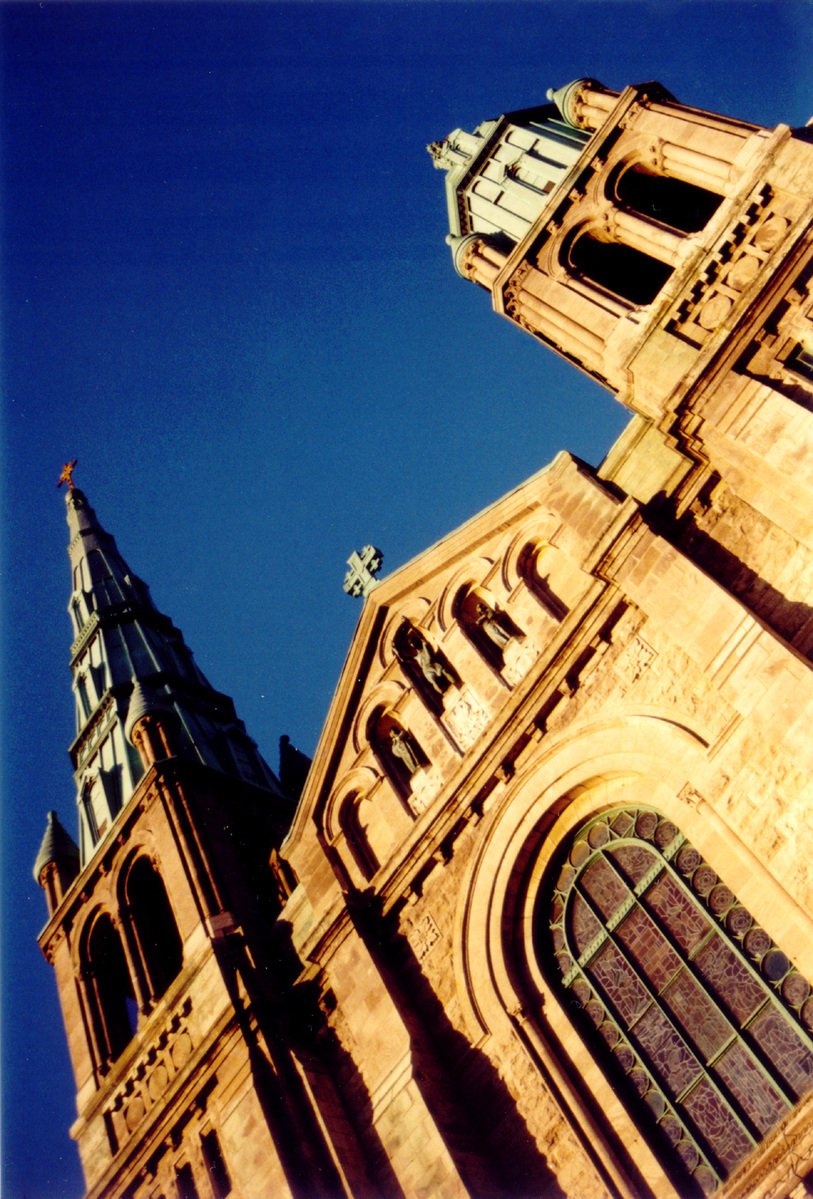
x=364, y=565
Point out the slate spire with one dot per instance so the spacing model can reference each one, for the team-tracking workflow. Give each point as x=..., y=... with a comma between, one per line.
x=136, y=683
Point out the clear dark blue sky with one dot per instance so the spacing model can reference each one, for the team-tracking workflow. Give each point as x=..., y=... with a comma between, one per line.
x=226, y=292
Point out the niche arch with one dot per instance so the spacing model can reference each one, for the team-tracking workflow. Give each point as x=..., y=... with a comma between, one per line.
x=486, y=624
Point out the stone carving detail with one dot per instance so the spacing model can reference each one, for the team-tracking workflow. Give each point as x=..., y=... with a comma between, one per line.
x=146, y=1083
x=733, y=268
x=424, y=787
x=637, y=657
x=511, y=294
x=690, y=796
x=467, y=718
x=422, y=936
x=518, y=660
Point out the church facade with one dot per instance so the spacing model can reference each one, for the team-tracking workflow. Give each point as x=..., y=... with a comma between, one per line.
x=539, y=921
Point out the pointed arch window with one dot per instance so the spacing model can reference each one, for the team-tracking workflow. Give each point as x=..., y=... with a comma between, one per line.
x=113, y=1003
x=158, y=942
x=701, y=1023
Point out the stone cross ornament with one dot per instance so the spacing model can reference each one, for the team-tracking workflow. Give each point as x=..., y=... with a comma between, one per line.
x=364, y=566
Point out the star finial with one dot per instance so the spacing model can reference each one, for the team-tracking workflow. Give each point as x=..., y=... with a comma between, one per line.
x=67, y=474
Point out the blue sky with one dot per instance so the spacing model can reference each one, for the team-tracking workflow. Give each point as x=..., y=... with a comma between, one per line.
x=225, y=290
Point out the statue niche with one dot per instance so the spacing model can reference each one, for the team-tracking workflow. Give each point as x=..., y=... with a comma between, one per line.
x=532, y=561
x=489, y=629
x=397, y=749
x=426, y=667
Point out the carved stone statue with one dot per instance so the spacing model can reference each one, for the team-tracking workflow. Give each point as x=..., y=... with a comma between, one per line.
x=437, y=676
x=488, y=620
x=402, y=748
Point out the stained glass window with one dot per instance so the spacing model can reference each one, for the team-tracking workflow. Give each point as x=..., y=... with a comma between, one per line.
x=704, y=1025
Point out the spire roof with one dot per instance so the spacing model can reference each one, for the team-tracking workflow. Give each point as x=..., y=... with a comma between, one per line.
x=57, y=846
x=128, y=659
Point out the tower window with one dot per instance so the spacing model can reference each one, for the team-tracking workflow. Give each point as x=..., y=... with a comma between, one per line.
x=156, y=933
x=800, y=360
x=626, y=272
x=683, y=206
x=115, y=1010
x=701, y=1022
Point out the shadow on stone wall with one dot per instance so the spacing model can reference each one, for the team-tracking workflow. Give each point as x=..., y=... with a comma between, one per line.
x=474, y=1112
x=336, y=1087
x=792, y=620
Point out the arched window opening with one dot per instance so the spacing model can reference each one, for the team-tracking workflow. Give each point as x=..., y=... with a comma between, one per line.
x=701, y=1023
x=115, y=1011
x=533, y=567
x=216, y=1168
x=628, y=273
x=95, y=809
x=185, y=1181
x=684, y=206
x=488, y=628
x=427, y=668
x=153, y=924
x=397, y=749
x=352, y=824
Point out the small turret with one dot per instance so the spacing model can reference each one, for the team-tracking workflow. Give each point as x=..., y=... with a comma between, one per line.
x=57, y=863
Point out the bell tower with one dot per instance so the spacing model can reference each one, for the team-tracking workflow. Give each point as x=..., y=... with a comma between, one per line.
x=667, y=252
x=169, y=979
x=627, y=231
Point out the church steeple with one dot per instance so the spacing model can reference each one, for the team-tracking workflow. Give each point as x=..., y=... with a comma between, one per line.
x=139, y=694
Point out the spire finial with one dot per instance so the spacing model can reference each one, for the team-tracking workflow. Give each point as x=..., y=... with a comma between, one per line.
x=67, y=474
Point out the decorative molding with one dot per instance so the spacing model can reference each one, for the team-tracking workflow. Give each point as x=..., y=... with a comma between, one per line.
x=466, y=718
x=151, y=1074
x=690, y=796
x=423, y=935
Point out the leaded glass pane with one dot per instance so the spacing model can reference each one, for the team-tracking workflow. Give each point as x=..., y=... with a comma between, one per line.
x=700, y=1018
x=620, y=982
x=697, y=1019
x=719, y=1127
x=678, y=912
x=604, y=887
x=635, y=861
x=790, y=1057
x=759, y=1098
x=648, y=947
x=670, y=1056
x=584, y=926
x=730, y=978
